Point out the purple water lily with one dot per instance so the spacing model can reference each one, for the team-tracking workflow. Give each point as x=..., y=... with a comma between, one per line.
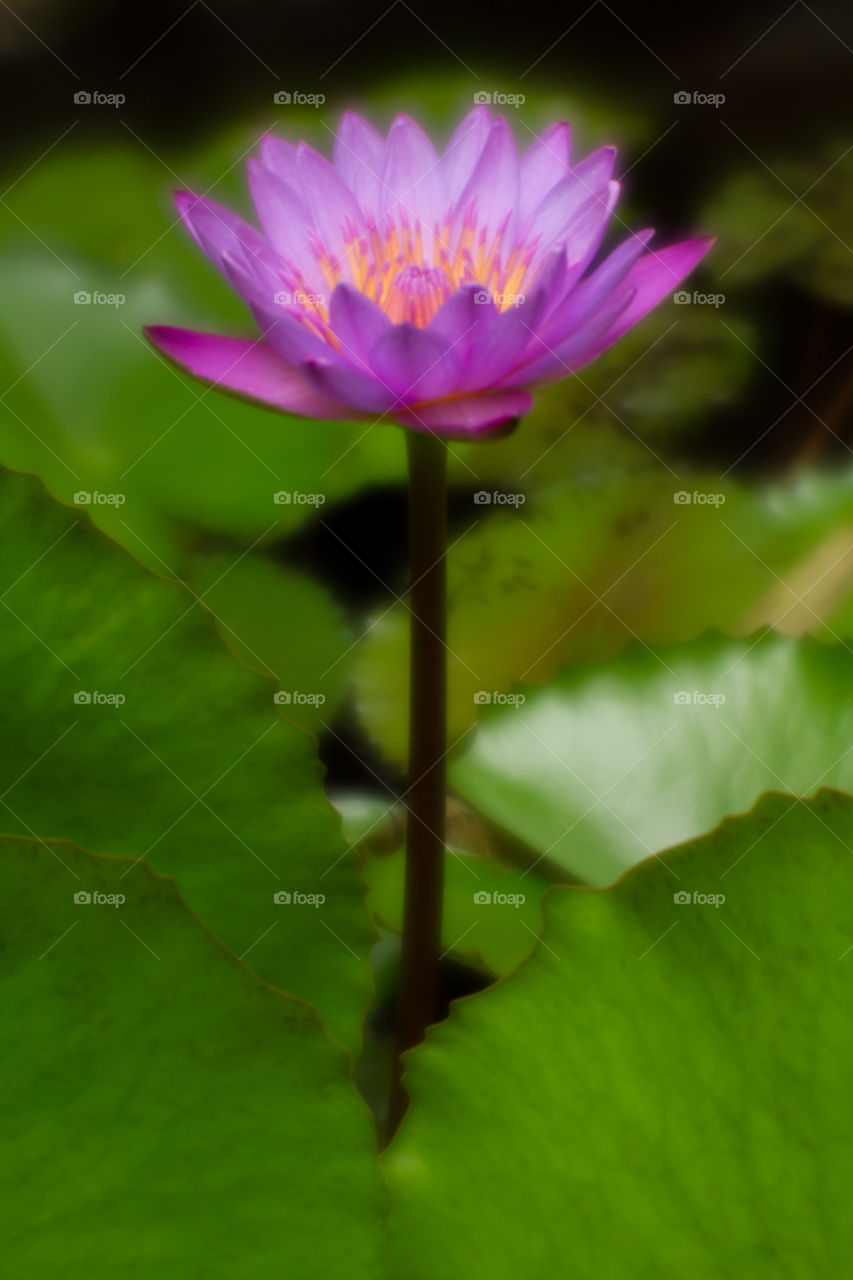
x=434, y=291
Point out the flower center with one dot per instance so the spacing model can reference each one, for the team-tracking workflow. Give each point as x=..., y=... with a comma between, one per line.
x=409, y=271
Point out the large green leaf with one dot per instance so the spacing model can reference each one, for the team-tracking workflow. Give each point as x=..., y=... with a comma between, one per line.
x=168, y=1114
x=585, y=567
x=195, y=769
x=663, y=1089
x=619, y=759
x=281, y=624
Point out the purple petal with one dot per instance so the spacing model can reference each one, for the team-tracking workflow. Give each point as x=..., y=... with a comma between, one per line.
x=332, y=205
x=217, y=231
x=361, y=391
x=417, y=364
x=286, y=222
x=545, y=163
x=467, y=417
x=359, y=158
x=585, y=190
x=653, y=278
x=493, y=185
x=501, y=348
x=248, y=368
x=412, y=176
x=591, y=292
x=357, y=322
x=549, y=363
x=467, y=322
x=279, y=156
x=464, y=150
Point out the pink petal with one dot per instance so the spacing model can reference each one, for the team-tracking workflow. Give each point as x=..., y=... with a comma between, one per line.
x=286, y=221
x=417, y=364
x=653, y=278
x=467, y=322
x=587, y=296
x=332, y=205
x=466, y=417
x=248, y=368
x=279, y=155
x=545, y=362
x=361, y=391
x=412, y=178
x=464, y=150
x=357, y=322
x=359, y=158
x=493, y=185
x=545, y=163
x=217, y=231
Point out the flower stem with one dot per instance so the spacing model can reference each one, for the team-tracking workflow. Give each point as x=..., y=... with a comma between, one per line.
x=421, y=945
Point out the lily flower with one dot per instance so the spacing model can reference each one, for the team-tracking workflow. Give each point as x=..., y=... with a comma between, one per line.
x=435, y=291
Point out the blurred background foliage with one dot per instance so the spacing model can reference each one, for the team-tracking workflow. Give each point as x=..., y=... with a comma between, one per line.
x=749, y=399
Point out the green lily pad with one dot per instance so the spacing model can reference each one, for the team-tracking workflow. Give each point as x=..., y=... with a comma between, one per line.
x=585, y=568
x=663, y=1089
x=131, y=730
x=612, y=761
x=170, y=1114
x=281, y=624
